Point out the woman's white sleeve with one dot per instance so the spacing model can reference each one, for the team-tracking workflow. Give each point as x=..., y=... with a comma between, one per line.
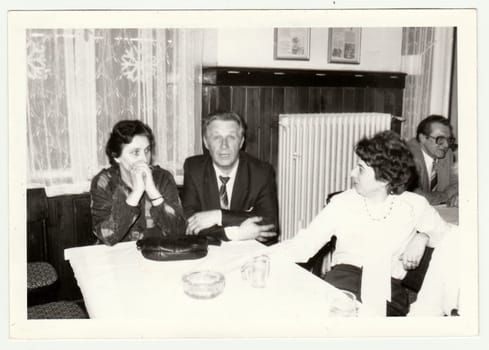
x=431, y=223
x=308, y=241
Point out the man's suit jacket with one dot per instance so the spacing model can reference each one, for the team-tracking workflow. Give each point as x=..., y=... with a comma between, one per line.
x=447, y=178
x=254, y=192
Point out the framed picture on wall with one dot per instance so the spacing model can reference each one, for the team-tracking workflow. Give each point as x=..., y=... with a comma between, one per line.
x=344, y=45
x=292, y=43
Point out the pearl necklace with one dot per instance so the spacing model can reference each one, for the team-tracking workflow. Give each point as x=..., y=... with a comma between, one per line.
x=376, y=218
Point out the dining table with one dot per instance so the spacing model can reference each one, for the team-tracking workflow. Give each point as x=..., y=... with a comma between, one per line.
x=118, y=282
x=449, y=214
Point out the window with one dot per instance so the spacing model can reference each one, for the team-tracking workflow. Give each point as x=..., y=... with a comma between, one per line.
x=82, y=81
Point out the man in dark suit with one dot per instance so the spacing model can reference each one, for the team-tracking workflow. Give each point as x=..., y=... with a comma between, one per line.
x=437, y=178
x=228, y=194
x=437, y=175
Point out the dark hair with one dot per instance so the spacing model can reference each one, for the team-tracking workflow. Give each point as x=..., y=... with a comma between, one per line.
x=226, y=116
x=123, y=133
x=424, y=127
x=390, y=158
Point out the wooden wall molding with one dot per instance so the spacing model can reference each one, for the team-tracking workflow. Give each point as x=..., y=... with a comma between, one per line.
x=242, y=76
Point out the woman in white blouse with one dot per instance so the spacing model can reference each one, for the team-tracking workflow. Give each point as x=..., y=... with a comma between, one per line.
x=375, y=223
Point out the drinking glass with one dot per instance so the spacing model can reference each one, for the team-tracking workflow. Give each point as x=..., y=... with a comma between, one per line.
x=343, y=304
x=256, y=271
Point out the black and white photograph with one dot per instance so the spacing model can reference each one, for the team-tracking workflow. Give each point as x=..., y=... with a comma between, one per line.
x=292, y=43
x=344, y=45
x=197, y=174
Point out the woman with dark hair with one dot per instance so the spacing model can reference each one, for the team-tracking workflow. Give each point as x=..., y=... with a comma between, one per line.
x=375, y=223
x=133, y=198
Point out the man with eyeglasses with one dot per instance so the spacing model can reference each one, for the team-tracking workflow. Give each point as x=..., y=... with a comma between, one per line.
x=435, y=163
x=437, y=178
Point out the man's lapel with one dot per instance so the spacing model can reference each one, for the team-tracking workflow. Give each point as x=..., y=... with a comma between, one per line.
x=241, y=184
x=424, y=177
x=443, y=168
x=211, y=192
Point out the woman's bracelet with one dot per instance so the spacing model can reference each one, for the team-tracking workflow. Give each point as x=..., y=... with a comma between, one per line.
x=155, y=199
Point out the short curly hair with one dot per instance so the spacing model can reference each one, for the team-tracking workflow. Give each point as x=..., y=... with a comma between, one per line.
x=122, y=134
x=390, y=158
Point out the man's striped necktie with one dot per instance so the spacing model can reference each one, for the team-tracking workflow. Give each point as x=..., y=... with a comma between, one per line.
x=223, y=194
x=433, y=177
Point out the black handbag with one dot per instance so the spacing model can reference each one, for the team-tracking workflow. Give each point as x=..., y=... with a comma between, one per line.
x=173, y=248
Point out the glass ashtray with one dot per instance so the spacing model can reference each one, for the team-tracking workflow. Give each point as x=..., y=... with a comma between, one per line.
x=203, y=284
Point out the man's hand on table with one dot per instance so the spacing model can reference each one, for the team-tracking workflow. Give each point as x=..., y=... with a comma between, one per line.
x=250, y=229
x=203, y=220
x=453, y=201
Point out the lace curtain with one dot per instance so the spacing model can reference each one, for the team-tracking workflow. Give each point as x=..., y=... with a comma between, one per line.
x=82, y=81
x=426, y=57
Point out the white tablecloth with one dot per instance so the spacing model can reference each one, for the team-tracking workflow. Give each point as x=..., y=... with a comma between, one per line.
x=119, y=283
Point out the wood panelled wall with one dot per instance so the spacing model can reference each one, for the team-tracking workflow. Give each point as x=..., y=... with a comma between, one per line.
x=260, y=96
x=69, y=226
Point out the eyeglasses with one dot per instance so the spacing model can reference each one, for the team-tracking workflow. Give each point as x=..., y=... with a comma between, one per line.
x=440, y=140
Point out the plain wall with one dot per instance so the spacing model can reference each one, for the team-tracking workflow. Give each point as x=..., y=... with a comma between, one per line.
x=253, y=47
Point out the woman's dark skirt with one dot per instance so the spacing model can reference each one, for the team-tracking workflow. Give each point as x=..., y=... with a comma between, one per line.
x=349, y=277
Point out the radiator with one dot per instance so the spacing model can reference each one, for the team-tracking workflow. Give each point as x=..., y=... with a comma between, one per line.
x=315, y=158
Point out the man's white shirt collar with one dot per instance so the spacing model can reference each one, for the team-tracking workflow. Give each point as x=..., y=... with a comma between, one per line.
x=232, y=177
x=428, y=160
